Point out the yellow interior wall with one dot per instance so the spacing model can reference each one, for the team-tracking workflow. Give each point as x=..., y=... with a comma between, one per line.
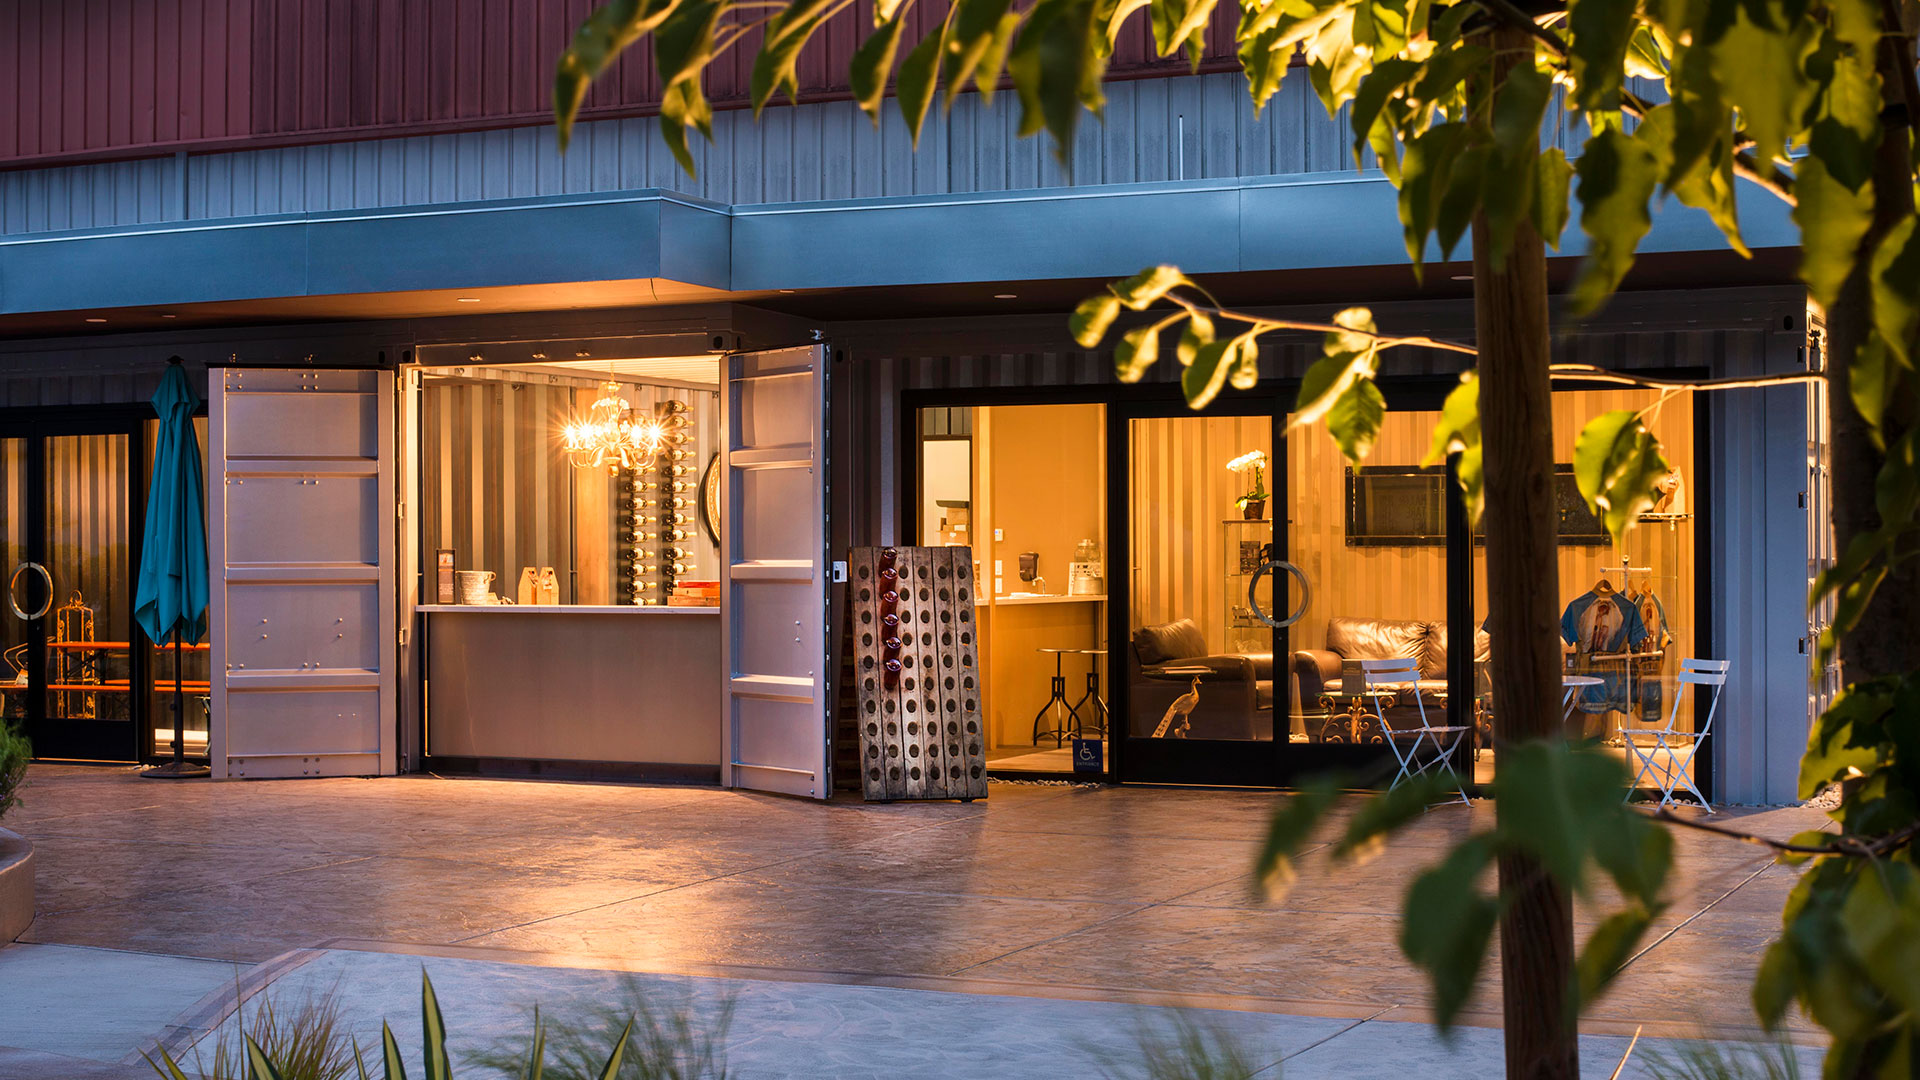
x=1044, y=489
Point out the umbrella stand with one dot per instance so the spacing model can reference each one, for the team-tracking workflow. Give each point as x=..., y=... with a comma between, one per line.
x=179, y=768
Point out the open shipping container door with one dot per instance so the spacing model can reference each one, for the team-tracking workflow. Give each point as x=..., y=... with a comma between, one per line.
x=773, y=565
x=301, y=536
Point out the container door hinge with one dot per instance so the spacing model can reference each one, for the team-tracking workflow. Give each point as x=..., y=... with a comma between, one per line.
x=400, y=511
x=400, y=638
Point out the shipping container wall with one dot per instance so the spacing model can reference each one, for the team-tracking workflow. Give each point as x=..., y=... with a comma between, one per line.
x=91, y=78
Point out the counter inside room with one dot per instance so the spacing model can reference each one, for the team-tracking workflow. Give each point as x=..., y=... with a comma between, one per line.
x=569, y=532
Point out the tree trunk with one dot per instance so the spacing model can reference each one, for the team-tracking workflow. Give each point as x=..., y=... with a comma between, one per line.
x=1523, y=599
x=1884, y=642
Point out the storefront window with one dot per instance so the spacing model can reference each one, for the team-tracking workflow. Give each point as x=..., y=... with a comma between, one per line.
x=1627, y=619
x=560, y=485
x=1372, y=542
x=1200, y=665
x=1024, y=486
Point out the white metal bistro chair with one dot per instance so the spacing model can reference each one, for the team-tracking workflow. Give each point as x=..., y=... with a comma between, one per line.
x=1669, y=757
x=1400, y=677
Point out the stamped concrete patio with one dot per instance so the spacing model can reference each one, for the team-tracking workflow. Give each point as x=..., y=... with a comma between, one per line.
x=1137, y=896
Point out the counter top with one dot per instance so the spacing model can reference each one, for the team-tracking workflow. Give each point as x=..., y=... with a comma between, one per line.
x=564, y=609
x=1051, y=598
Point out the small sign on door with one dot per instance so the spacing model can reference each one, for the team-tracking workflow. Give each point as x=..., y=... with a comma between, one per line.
x=1087, y=756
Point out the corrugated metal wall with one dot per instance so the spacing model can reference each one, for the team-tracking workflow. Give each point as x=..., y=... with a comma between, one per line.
x=92, y=76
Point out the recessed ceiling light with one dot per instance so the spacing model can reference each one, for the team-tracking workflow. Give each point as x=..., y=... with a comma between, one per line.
x=466, y=299
x=786, y=290
x=168, y=315
x=1005, y=296
x=1463, y=277
x=96, y=319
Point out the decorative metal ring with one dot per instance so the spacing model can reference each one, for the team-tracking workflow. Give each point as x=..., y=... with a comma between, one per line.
x=1253, y=585
x=15, y=581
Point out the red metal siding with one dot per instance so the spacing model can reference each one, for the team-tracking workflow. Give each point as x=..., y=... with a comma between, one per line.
x=94, y=79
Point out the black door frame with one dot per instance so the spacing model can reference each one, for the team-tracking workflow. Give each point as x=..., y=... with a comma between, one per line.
x=111, y=741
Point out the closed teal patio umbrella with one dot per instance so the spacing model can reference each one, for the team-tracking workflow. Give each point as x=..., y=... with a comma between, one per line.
x=170, y=597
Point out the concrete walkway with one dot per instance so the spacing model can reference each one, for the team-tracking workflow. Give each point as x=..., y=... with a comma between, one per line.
x=1027, y=928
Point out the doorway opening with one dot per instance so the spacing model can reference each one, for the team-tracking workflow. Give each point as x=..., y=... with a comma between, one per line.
x=1025, y=487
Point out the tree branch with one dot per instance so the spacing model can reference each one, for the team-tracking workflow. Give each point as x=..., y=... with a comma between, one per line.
x=1843, y=845
x=1590, y=373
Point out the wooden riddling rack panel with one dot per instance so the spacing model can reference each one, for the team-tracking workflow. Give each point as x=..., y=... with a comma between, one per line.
x=920, y=727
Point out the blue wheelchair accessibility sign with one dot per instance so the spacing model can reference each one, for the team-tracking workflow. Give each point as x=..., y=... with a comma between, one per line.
x=1087, y=756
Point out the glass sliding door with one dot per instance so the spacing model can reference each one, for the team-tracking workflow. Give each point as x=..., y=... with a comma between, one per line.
x=74, y=670
x=1204, y=510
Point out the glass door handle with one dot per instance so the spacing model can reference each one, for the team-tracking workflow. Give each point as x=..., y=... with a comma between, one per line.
x=1253, y=585
x=13, y=583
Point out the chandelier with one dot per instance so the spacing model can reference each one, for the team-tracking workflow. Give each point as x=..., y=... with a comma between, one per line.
x=609, y=435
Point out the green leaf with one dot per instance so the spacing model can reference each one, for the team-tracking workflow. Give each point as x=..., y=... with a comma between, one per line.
x=1386, y=79
x=1617, y=463
x=1288, y=831
x=1617, y=177
x=1635, y=852
x=1199, y=331
x=1896, y=290
x=786, y=33
x=1137, y=351
x=1355, y=419
x=1763, y=71
x=1881, y=918
x=1458, y=432
x=1091, y=320
x=972, y=28
x=1873, y=382
x=1774, y=984
x=612, y=1068
x=1424, y=176
x=1599, y=32
x=537, y=1049
x=682, y=106
x=396, y=1069
x=1382, y=815
x=1057, y=64
x=683, y=42
x=1202, y=380
x=1349, y=359
x=1832, y=222
x=1147, y=287
x=433, y=1033
x=1848, y=130
x=1448, y=924
x=1265, y=64
x=1848, y=740
x=1554, y=798
x=1380, y=25
x=916, y=83
x=259, y=1065
x=986, y=75
x=1552, y=176
x=1608, y=949
x=605, y=34
x=1245, y=356
x=172, y=1069
x=872, y=64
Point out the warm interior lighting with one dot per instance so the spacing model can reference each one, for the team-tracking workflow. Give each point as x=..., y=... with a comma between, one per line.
x=609, y=435
x=96, y=319
x=466, y=299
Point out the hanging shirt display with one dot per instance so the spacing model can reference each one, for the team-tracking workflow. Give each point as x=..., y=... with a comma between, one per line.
x=1647, y=690
x=1600, y=622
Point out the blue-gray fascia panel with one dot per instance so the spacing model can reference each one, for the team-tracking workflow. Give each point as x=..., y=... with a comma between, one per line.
x=1205, y=227
x=455, y=246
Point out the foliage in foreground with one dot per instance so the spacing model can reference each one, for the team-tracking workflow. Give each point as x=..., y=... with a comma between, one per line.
x=311, y=1046
x=15, y=752
x=670, y=1039
x=1562, y=804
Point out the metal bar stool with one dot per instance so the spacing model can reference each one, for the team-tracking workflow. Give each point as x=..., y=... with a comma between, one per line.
x=1057, y=695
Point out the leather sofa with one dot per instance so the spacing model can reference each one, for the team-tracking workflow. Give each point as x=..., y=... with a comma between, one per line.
x=1349, y=638
x=1236, y=689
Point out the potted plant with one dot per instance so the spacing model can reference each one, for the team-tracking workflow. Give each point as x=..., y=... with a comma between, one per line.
x=1253, y=504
